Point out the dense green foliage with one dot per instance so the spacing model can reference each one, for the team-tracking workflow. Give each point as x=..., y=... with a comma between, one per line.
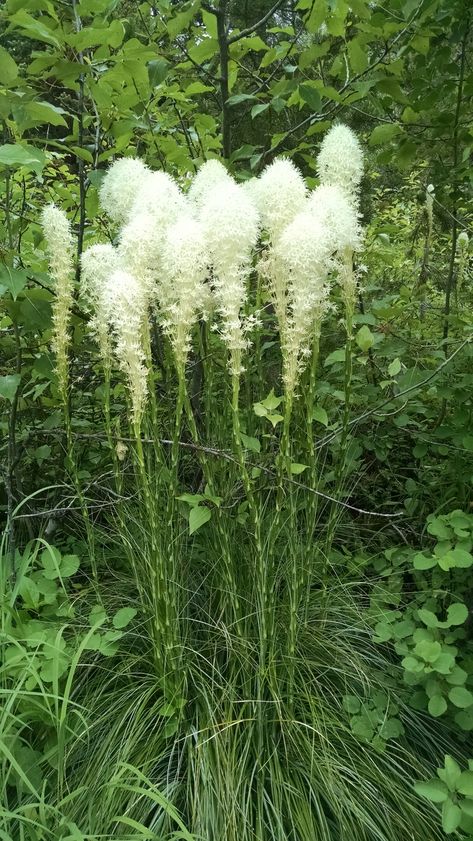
x=130, y=711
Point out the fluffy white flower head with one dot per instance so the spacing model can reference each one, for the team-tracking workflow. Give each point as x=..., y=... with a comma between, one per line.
x=279, y=194
x=340, y=160
x=160, y=197
x=182, y=290
x=303, y=253
x=60, y=247
x=463, y=240
x=127, y=313
x=98, y=263
x=230, y=226
x=120, y=187
x=140, y=249
x=328, y=205
x=209, y=175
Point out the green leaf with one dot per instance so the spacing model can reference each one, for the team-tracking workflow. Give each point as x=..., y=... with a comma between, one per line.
x=197, y=517
x=240, y=97
x=335, y=356
x=69, y=565
x=383, y=134
x=15, y=155
x=297, y=469
x=467, y=807
x=421, y=562
x=250, y=443
x=357, y=55
x=457, y=613
x=259, y=109
x=364, y=338
x=13, y=280
x=437, y=705
x=452, y=772
x=320, y=415
x=434, y=790
x=123, y=617
x=45, y=112
x=428, y=618
x=157, y=71
x=461, y=697
x=311, y=97
x=451, y=816
x=8, y=386
x=394, y=367
x=34, y=28
x=8, y=67
x=465, y=784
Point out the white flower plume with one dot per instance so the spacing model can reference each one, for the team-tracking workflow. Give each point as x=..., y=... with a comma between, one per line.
x=60, y=246
x=340, y=160
x=303, y=255
x=140, y=251
x=279, y=194
x=120, y=187
x=230, y=226
x=127, y=313
x=328, y=205
x=209, y=175
x=160, y=196
x=182, y=289
x=98, y=264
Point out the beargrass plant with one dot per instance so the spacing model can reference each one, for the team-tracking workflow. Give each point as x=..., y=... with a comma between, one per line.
x=230, y=699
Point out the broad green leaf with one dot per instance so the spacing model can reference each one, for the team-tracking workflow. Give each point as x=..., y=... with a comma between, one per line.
x=451, y=816
x=320, y=415
x=197, y=517
x=434, y=790
x=250, y=443
x=384, y=133
x=15, y=155
x=238, y=98
x=364, y=338
x=311, y=97
x=437, y=705
x=157, y=71
x=297, y=469
x=465, y=783
x=8, y=67
x=13, y=280
x=421, y=562
x=461, y=697
x=394, y=367
x=451, y=772
x=8, y=386
x=457, y=614
x=123, y=617
x=428, y=618
x=357, y=55
x=45, y=112
x=335, y=356
x=259, y=109
x=34, y=28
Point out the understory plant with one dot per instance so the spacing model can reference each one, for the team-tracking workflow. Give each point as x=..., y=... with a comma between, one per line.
x=251, y=653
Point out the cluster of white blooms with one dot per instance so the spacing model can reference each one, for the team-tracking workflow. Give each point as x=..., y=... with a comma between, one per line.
x=230, y=227
x=183, y=290
x=175, y=251
x=279, y=195
x=120, y=187
x=303, y=254
x=210, y=174
x=463, y=244
x=340, y=160
x=329, y=205
x=98, y=262
x=60, y=247
x=126, y=321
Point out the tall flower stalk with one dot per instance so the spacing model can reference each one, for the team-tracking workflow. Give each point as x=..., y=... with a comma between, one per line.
x=61, y=250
